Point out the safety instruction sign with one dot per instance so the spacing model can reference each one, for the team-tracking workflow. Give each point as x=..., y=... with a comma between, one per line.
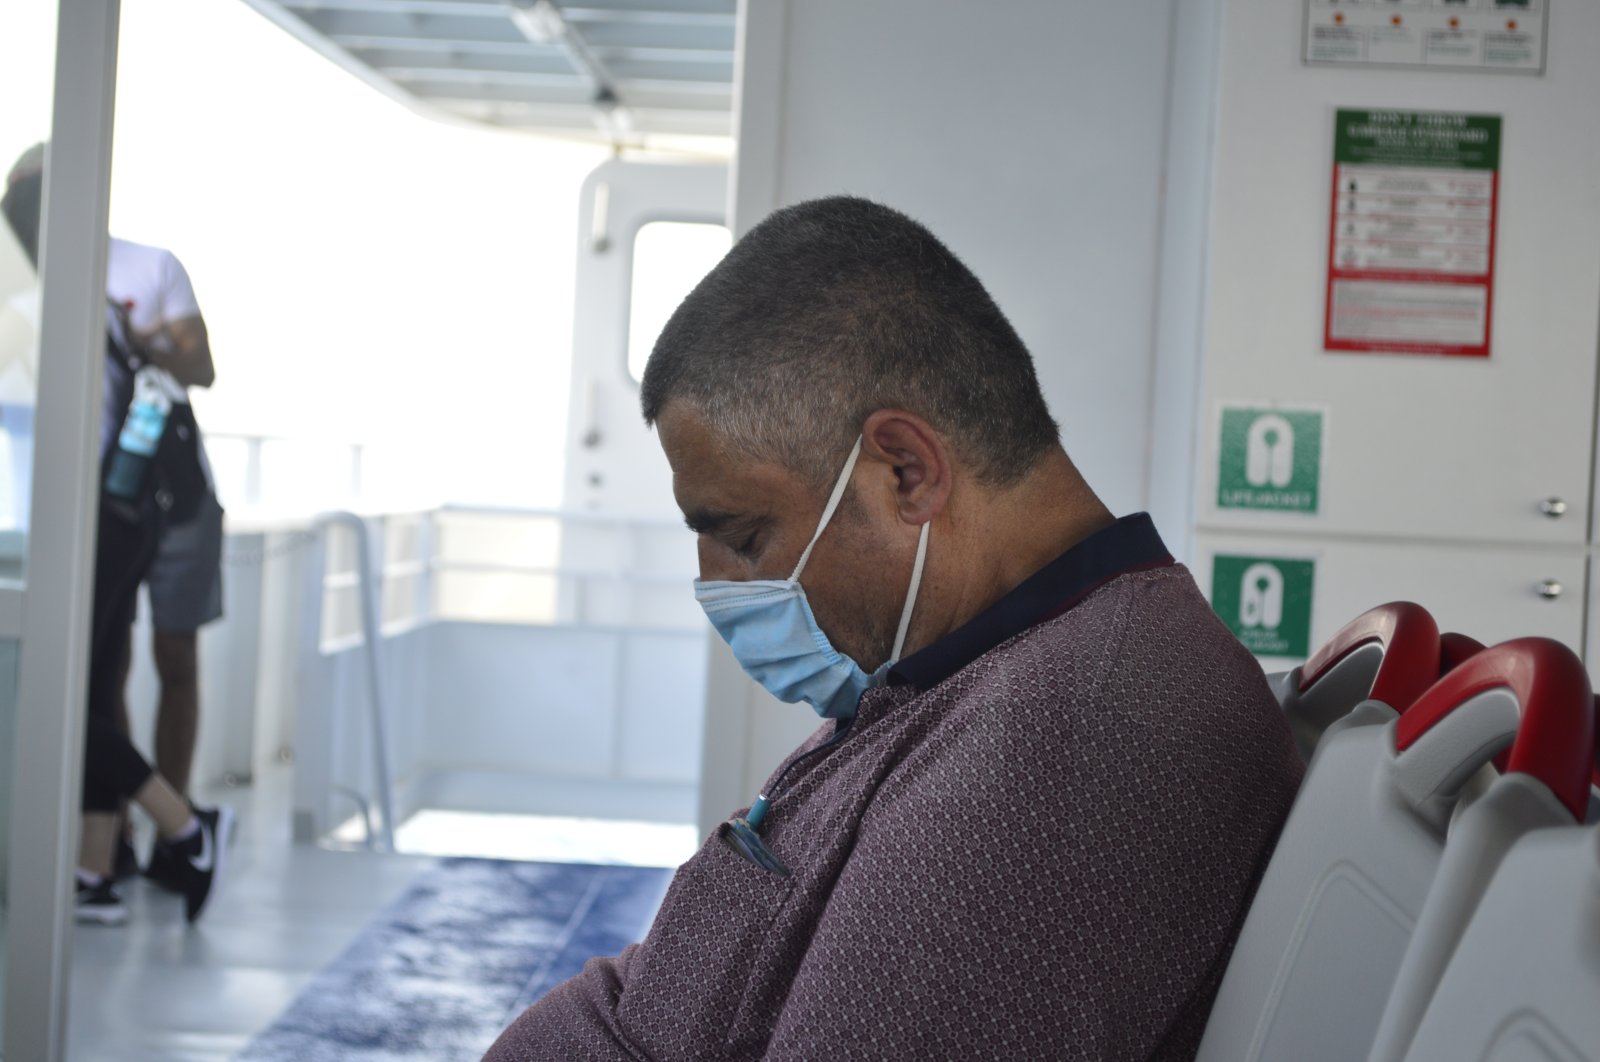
x=1266, y=602
x=1486, y=35
x=1269, y=458
x=1411, y=253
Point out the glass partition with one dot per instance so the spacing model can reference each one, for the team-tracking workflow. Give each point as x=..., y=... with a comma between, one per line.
x=27, y=51
x=27, y=67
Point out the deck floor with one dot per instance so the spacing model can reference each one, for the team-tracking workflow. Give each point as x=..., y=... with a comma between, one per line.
x=157, y=990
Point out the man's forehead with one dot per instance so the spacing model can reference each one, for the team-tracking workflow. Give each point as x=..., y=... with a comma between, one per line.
x=712, y=479
x=688, y=438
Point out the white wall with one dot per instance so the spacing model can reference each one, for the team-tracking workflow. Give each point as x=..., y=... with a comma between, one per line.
x=505, y=717
x=577, y=702
x=1031, y=137
x=1433, y=467
x=488, y=708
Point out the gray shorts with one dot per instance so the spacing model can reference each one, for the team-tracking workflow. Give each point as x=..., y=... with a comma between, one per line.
x=185, y=579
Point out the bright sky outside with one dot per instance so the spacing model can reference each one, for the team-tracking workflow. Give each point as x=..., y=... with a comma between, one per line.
x=367, y=274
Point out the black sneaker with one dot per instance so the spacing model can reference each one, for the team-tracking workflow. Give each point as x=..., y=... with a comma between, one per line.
x=199, y=859
x=165, y=866
x=127, y=864
x=101, y=904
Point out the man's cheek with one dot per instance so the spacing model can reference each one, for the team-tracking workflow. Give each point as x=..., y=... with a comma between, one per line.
x=851, y=624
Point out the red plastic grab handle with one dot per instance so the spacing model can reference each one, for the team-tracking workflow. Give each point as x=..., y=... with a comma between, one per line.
x=1455, y=650
x=1555, y=738
x=1410, y=640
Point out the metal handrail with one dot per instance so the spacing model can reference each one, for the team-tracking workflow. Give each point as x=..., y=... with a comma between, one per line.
x=371, y=588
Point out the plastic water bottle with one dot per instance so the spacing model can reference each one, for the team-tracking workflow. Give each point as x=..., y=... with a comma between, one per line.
x=140, y=435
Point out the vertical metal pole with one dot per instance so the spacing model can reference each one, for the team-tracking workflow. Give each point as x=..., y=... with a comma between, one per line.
x=53, y=666
x=313, y=699
x=370, y=586
x=371, y=561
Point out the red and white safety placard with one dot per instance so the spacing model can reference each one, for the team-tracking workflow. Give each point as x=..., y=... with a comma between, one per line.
x=1411, y=250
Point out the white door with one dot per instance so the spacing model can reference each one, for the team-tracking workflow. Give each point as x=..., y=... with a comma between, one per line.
x=647, y=233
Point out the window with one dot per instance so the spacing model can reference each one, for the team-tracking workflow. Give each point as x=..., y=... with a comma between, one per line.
x=669, y=259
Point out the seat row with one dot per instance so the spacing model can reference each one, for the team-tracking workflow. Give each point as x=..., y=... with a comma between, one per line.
x=1435, y=893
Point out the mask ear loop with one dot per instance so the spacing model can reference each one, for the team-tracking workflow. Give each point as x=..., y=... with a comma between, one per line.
x=911, y=593
x=832, y=506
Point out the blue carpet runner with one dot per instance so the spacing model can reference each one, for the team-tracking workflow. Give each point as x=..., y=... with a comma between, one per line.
x=472, y=942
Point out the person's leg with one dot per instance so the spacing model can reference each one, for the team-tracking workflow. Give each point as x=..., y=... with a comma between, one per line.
x=98, y=900
x=126, y=863
x=164, y=804
x=124, y=667
x=194, y=839
x=178, y=719
x=97, y=842
x=160, y=799
x=185, y=581
x=113, y=768
x=112, y=771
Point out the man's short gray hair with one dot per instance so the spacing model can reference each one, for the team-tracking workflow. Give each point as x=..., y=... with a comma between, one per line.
x=830, y=310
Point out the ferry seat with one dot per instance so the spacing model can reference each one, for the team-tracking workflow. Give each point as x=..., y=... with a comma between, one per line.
x=1390, y=654
x=1523, y=982
x=1455, y=649
x=1594, y=777
x=1318, y=954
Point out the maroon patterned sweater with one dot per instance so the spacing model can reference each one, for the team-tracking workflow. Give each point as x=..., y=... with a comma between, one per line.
x=1047, y=855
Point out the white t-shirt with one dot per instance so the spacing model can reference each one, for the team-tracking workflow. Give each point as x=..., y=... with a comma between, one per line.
x=150, y=283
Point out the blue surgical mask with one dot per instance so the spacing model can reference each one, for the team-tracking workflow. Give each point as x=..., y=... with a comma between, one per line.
x=770, y=628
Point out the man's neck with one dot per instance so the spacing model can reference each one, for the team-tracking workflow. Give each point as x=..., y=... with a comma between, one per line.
x=1004, y=536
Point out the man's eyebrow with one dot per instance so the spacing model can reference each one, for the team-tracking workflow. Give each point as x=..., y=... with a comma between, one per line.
x=707, y=521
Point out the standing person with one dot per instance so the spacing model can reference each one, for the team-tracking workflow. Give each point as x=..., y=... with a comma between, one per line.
x=165, y=328
x=128, y=533
x=151, y=286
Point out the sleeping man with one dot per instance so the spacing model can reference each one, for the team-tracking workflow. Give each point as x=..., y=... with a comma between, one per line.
x=1047, y=777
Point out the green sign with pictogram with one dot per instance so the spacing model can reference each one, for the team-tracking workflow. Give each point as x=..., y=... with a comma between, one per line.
x=1266, y=602
x=1270, y=459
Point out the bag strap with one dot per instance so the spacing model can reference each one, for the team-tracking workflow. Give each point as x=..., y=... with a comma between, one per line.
x=118, y=333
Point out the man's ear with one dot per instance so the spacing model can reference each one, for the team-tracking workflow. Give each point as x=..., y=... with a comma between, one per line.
x=920, y=458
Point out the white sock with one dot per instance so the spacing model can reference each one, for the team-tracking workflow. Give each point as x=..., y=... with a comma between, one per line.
x=88, y=878
x=190, y=828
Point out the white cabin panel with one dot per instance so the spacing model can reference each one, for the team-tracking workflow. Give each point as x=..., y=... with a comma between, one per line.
x=1031, y=142
x=1457, y=448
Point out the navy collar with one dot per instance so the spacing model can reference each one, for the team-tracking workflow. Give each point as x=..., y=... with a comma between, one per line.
x=1129, y=545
